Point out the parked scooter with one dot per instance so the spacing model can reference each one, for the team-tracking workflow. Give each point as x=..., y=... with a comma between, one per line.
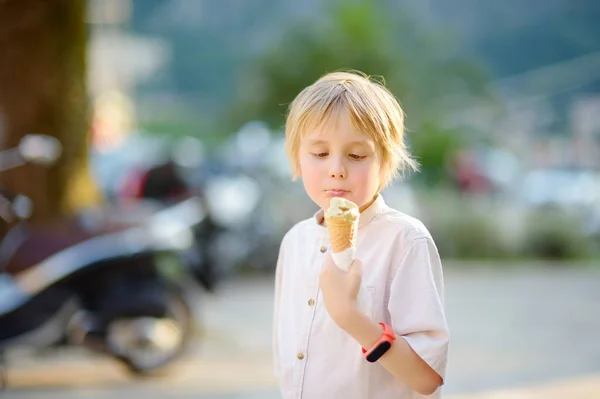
x=112, y=279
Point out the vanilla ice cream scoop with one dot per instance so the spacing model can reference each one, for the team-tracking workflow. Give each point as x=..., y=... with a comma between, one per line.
x=342, y=208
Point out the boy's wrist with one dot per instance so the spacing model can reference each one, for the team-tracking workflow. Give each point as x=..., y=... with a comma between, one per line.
x=359, y=326
x=346, y=317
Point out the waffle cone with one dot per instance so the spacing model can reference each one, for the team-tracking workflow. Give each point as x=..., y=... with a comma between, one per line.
x=342, y=234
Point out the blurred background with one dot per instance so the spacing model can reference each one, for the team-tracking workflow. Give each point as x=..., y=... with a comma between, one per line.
x=157, y=101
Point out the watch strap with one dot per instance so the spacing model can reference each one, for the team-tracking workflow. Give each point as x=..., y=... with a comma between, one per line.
x=382, y=345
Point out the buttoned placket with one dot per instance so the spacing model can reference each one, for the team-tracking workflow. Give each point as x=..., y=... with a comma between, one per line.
x=311, y=305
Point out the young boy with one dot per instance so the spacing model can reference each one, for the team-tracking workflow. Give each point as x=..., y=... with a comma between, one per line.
x=345, y=138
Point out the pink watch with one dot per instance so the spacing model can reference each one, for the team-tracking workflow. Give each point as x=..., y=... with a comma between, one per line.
x=382, y=345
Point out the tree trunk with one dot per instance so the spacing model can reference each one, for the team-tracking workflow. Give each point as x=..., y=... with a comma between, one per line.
x=43, y=90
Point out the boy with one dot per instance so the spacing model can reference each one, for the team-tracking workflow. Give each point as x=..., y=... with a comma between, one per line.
x=345, y=138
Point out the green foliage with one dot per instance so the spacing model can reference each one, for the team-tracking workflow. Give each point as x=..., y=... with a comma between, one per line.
x=361, y=35
x=221, y=39
x=475, y=236
x=552, y=234
x=473, y=227
x=356, y=35
x=178, y=121
x=432, y=146
x=464, y=227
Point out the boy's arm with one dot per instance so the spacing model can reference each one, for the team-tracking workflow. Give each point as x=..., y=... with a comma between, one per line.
x=400, y=360
x=418, y=355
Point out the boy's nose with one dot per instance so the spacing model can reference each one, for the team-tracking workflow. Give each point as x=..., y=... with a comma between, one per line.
x=337, y=171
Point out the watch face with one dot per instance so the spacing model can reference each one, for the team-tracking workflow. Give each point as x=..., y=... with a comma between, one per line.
x=379, y=351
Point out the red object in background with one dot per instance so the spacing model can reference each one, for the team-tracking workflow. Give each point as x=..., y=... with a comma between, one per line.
x=467, y=174
x=160, y=182
x=133, y=187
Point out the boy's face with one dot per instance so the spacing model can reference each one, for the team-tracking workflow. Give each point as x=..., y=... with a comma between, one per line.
x=336, y=160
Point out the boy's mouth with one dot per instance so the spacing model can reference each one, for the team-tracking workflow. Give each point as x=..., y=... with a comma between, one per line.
x=336, y=193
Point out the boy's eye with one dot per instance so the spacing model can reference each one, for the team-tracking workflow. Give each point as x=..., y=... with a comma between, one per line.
x=321, y=155
x=356, y=157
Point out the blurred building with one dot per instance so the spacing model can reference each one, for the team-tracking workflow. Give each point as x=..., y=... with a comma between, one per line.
x=585, y=125
x=549, y=117
x=117, y=58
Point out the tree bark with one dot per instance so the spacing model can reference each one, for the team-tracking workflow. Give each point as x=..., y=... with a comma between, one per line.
x=43, y=90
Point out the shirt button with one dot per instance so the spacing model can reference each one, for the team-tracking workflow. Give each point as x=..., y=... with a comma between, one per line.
x=300, y=355
x=311, y=302
x=323, y=249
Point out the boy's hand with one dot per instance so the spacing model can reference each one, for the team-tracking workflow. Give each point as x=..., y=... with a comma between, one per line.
x=340, y=289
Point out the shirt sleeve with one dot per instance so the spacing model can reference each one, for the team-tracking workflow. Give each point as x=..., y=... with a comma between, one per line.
x=416, y=303
x=278, y=278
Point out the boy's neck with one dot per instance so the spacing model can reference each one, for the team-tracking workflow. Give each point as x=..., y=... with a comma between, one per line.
x=368, y=204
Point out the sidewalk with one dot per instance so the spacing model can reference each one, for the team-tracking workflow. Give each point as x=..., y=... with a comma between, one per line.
x=518, y=334
x=578, y=388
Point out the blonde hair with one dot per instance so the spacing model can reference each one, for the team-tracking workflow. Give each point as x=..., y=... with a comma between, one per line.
x=373, y=110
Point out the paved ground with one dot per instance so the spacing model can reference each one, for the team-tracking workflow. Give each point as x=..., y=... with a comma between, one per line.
x=519, y=334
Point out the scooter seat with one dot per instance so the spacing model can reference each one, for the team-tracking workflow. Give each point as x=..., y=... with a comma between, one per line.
x=39, y=242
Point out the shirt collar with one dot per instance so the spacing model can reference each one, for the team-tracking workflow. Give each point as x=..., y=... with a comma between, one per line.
x=365, y=217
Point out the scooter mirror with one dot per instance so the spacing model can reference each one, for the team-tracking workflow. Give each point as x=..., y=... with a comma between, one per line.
x=39, y=148
x=22, y=207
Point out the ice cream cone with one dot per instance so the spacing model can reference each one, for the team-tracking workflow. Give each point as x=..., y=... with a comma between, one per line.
x=342, y=234
x=342, y=224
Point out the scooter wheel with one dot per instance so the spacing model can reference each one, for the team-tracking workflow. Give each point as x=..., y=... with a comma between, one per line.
x=148, y=345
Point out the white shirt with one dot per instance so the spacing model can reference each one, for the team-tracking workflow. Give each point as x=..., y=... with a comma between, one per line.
x=402, y=274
